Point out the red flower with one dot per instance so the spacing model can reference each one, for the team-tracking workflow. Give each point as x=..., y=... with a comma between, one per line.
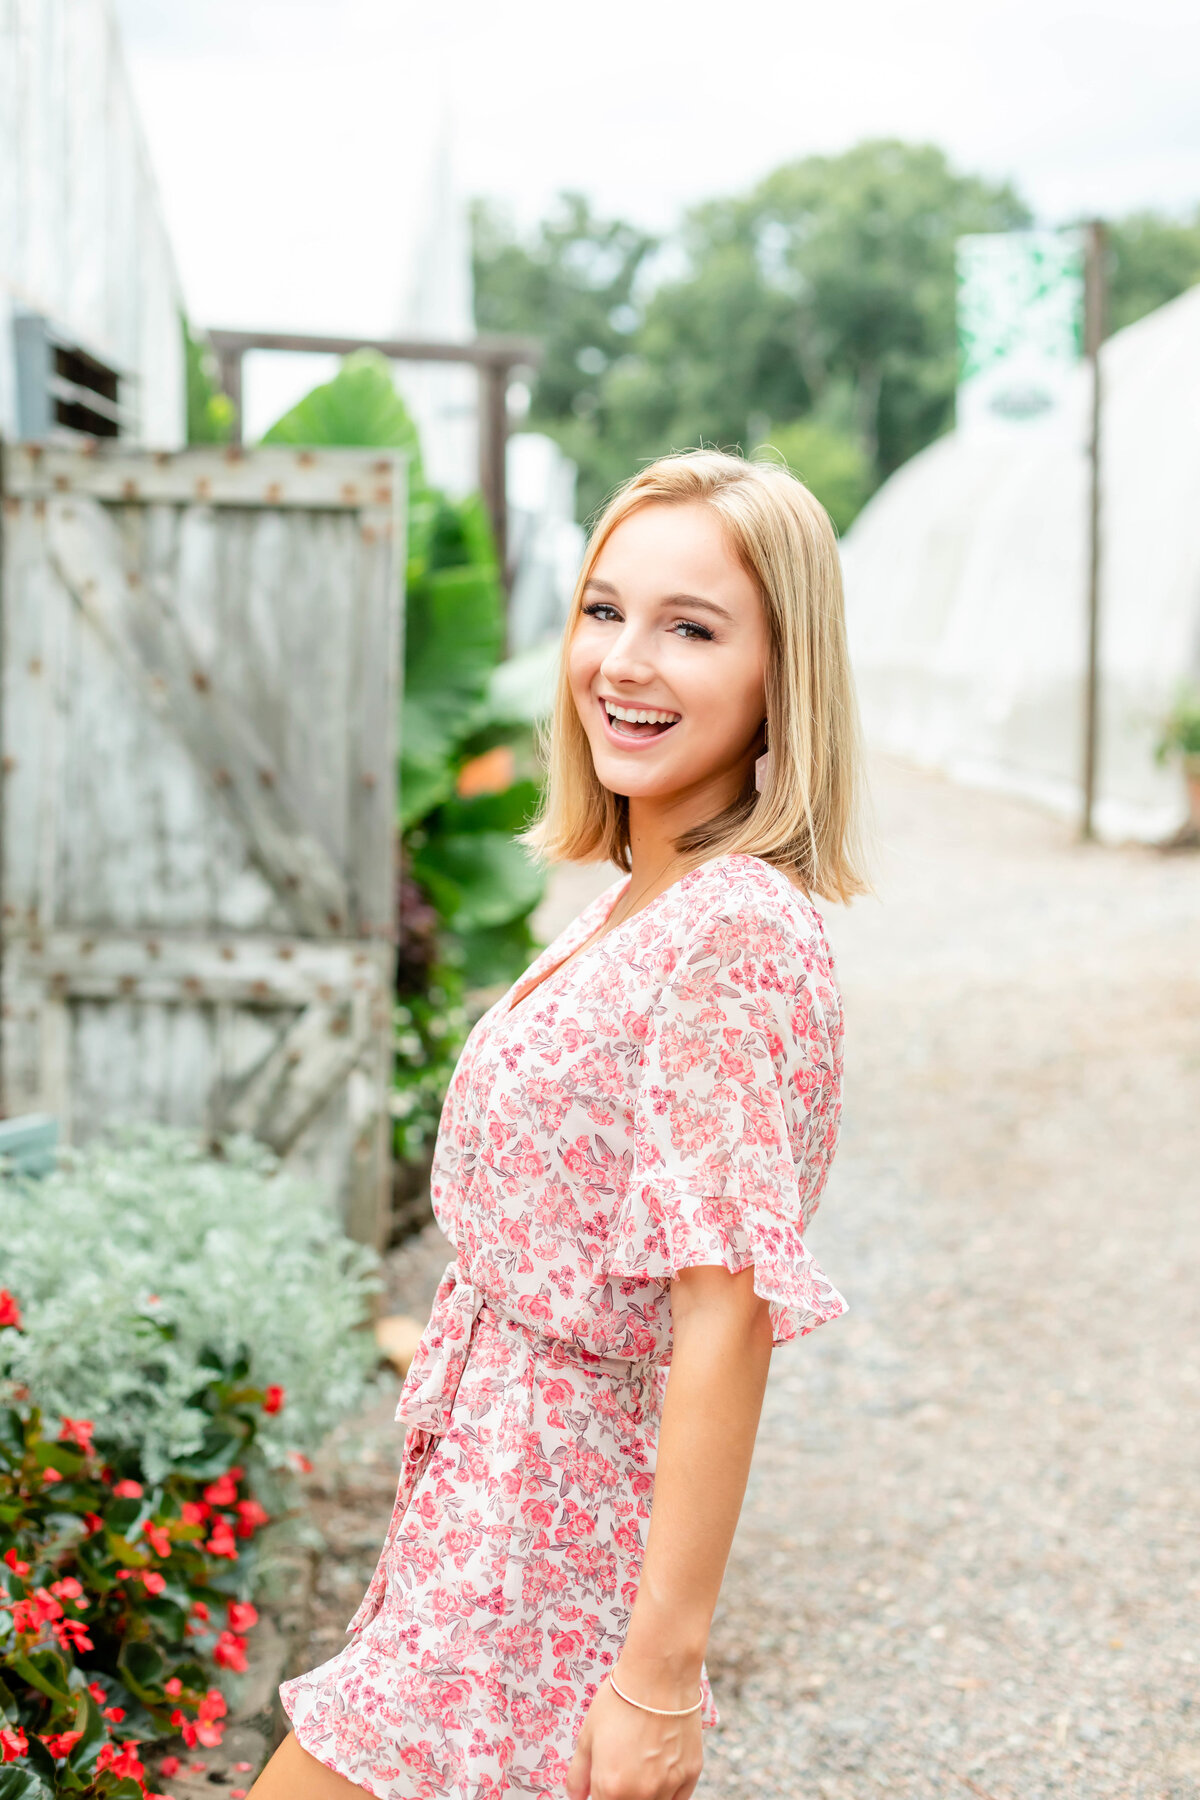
x=221, y=1542
x=199, y=1610
x=49, y=1475
x=10, y=1314
x=223, y=1492
x=204, y=1729
x=79, y=1432
x=274, y=1399
x=242, y=1616
x=61, y=1743
x=72, y=1634
x=13, y=1743
x=128, y=1490
x=15, y=1564
x=97, y=1692
x=153, y=1582
x=115, y=1713
x=251, y=1517
x=195, y=1512
x=94, y=1523
x=123, y=1761
x=229, y=1652
x=170, y=1765
x=67, y=1589
x=299, y=1462
x=174, y=1688
x=159, y=1539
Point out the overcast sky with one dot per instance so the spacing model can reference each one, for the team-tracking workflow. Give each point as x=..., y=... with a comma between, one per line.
x=291, y=138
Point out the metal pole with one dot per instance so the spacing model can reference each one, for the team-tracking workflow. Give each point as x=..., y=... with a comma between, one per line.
x=1093, y=337
x=493, y=447
x=229, y=365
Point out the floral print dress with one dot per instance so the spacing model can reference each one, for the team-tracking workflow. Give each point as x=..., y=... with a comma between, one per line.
x=668, y=1097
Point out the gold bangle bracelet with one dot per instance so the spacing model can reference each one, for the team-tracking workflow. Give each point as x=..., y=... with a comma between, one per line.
x=661, y=1712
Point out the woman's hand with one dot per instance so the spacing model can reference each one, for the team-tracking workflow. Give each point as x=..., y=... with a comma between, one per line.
x=625, y=1754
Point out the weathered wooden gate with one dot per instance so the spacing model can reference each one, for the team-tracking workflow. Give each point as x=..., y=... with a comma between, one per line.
x=200, y=657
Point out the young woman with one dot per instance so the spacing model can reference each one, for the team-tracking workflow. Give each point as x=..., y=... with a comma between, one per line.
x=634, y=1140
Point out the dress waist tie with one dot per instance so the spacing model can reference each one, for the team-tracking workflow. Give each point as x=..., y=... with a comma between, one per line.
x=426, y=1403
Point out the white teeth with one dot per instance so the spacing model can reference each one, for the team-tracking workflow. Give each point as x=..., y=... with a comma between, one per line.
x=632, y=717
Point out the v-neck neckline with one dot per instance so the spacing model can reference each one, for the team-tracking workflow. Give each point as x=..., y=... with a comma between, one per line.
x=515, y=1000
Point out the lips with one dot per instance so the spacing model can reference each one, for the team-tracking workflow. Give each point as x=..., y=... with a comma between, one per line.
x=631, y=726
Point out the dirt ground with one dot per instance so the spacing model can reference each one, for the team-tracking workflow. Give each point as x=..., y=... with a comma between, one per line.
x=969, y=1560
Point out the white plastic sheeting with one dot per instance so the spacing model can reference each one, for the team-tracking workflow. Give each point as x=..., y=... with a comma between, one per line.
x=966, y=582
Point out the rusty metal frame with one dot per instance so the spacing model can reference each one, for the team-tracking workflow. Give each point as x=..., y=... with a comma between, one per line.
x=495, y=359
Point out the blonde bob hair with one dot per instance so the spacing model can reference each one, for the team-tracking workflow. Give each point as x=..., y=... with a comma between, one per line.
x=806, y=819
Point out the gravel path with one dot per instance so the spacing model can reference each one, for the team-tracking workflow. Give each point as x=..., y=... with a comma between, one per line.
x=968, y=1561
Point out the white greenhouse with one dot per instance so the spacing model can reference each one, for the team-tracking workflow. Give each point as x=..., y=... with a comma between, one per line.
x=966, y=582
x=90, y=338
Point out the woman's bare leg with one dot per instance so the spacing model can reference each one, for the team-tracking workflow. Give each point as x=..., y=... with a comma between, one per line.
x=292, y=1774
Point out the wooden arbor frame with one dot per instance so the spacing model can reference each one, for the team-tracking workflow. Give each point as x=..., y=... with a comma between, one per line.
x=495, y=359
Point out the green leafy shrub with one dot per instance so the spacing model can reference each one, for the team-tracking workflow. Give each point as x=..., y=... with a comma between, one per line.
x=143, y=1258
x=1181, y=728
x=829, y=461
x=120, y=1596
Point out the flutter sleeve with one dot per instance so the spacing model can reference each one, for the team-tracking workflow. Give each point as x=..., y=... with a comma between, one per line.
x=736, y=1116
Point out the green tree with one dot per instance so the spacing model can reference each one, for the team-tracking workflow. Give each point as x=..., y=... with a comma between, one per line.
x=1154, y=258
x=575, y=285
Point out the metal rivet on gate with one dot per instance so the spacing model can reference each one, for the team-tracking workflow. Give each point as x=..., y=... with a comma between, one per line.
x=383, y=467
x=200, y=681
x=349, y=492
x=383, y=496
x=234, y=453
x=152, y=947
x=324, y=991
x=334, y=921
x=191, y=984
x=58, y=982
x=262, y=988
x=203, y=488
x=228, y=952
x=11, y=504
x=291, y=882
x=39, y=508
x=86, y=946
x=293, y=1057
x=9, y=764
x=369, y=534
x=286, y=953
x=127, y=984
x=34, y=452
x=222, y=777
x=35, y=946
x=35, y=665
x=63, y=484
x=267, y=777
x=305, y=459
x=274, y=493
x=369, y=780
x=133, y=578
x=129, y=490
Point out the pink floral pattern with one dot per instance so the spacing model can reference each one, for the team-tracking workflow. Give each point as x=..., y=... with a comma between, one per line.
x=668, y=1098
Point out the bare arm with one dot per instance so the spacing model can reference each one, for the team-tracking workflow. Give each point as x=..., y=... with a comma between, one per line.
x=719, y=1360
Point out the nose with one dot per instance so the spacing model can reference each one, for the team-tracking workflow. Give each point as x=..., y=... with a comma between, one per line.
x=627, y=661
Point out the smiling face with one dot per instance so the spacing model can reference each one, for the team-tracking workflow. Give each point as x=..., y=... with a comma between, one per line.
x=667, y=663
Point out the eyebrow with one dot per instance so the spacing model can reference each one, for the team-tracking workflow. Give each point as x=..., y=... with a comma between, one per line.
x=694, y=601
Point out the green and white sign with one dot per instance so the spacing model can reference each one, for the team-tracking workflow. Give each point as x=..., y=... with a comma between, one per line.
x=1020, y=326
